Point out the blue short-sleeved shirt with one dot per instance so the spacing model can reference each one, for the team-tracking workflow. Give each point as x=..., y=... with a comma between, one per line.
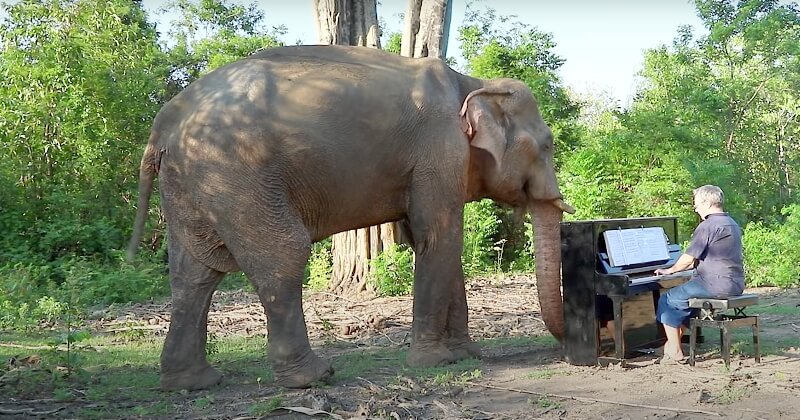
x=717, y=245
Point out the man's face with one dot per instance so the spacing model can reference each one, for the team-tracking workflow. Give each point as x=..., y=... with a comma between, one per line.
x=701, y=208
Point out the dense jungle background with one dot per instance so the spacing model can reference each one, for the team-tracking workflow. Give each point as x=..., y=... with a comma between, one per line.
x=81, y=81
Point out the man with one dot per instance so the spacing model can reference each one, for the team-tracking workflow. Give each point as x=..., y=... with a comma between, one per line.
x=716, y=252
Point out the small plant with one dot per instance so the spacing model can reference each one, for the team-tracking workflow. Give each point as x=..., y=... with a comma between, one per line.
x=541, y=374
x=320, y=266
x=205, y=402
x=212, y=344
x=545, y=403
x=730, y=394
x=266, y=407
x=449, y=378
x=393, y=271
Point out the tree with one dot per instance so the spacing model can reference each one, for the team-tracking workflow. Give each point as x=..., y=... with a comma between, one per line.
x=211, y=33
x=355, y=22
x=724, y=106
x=81, y=83
x=426, y=28
x=347, y=22
x=351, y=22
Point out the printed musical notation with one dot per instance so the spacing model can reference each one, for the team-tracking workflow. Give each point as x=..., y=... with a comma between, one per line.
x=636, y=246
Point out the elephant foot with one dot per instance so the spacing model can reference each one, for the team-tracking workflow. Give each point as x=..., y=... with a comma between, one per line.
x=302, y=373
x=429, y=355
x=192, y=379
x=464, y=348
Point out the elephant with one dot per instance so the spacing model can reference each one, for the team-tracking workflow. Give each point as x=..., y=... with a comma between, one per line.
x=261, y=158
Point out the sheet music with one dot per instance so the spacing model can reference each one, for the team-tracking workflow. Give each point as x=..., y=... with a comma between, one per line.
x=636, y=246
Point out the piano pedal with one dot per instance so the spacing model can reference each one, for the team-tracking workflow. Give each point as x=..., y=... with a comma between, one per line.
x=607, y=361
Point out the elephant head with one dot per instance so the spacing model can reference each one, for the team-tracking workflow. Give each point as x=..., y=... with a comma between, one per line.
x=512, y=162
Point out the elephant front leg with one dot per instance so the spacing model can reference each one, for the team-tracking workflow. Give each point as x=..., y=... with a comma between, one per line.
x=438, y=264
x=457, y=337
x=183, y=358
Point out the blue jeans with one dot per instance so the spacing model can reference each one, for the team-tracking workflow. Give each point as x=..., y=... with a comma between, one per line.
x=673, y=306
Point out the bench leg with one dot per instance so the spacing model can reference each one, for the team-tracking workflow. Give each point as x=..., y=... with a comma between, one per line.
x=756, y=341
x=693, y=329
x=725, y=338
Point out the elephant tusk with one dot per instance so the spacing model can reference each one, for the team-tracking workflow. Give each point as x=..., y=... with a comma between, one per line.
x=563, y=206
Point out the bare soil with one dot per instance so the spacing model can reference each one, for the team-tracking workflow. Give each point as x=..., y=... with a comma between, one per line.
x=514, y=382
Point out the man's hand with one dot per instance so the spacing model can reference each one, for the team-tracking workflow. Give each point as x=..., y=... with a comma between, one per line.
x=662, y=271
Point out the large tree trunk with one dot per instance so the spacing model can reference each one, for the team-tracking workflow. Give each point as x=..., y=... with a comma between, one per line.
x=355, y=22
x=352, y=22
x=347, y=22
x=427, y=27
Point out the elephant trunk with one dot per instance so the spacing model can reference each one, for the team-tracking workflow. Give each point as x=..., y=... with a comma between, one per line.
x=547, y=248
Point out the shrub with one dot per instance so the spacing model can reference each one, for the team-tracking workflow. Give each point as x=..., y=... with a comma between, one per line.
x=772, y=257
x=480, y=226
x=320, y=265
x=393, y=271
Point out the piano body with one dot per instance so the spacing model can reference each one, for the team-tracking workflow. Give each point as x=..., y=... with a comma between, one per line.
x=589, y=280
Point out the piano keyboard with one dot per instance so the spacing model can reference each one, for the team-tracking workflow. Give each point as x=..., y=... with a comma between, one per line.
x=650, y=279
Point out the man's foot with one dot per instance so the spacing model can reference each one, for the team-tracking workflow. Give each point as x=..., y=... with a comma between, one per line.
x=668, y=359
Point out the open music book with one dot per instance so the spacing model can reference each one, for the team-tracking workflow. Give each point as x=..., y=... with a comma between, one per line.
x=636, y=246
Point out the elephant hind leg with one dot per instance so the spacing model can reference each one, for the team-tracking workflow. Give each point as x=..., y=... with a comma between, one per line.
x=183, y=358
x=273, y=255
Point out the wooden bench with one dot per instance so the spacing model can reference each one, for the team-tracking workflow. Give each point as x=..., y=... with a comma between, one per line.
x=712, y=315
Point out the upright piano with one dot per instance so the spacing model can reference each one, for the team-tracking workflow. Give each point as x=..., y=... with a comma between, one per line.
x=594, y=284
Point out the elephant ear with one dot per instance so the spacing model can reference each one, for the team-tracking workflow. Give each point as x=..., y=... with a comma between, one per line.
x=482, y=127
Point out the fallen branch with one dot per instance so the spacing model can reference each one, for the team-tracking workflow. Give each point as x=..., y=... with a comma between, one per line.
x=585, y=399
x=20, y=346
x=28, y=411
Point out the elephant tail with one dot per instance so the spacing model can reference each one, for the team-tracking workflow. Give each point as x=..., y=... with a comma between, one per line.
x=148, y=169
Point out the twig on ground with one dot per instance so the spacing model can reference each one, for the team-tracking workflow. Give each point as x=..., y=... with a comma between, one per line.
x=585, y=399
x=20, y=346
x=29, y=411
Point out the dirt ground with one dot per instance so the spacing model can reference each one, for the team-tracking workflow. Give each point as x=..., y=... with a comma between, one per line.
x=514, y=381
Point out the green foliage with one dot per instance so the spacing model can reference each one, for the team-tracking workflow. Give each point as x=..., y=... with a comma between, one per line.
x=80, y=86
x=495, y=47
x=728, y=103
x=211, y=33
x=393, y=271
x=480, y=227
x=320, y=266
x=772, y=257
x=394, y=43
x=38, y=292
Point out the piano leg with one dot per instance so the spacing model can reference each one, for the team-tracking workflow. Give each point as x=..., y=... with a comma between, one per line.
x=619, y=341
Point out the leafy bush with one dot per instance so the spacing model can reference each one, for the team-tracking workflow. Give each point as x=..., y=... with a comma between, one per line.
x=320, y=265
x=89, y=283
x=480, y=227
x=393, y=271
x=772, y=257
x=39, y=291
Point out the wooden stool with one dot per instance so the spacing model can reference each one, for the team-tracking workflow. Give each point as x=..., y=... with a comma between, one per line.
x=712, y=315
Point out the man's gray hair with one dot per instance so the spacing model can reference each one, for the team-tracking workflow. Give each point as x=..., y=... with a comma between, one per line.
x=709, y=194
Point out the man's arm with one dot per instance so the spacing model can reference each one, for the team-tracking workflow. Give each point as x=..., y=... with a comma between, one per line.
x=685, y=262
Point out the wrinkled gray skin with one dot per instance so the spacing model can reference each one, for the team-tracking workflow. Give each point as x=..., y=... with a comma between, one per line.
x=261, y=158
